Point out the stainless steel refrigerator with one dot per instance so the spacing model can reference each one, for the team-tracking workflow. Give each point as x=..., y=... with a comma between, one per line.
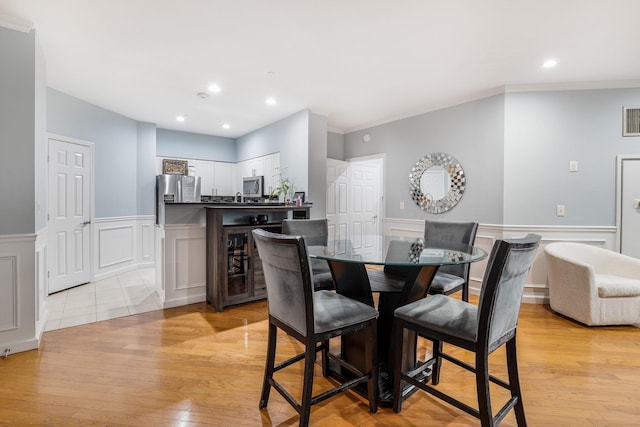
x=175, y=189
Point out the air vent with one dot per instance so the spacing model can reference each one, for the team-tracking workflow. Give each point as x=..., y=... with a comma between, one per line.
x=631, y=120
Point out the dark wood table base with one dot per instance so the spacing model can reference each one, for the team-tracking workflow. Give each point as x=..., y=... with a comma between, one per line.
x=352, y=281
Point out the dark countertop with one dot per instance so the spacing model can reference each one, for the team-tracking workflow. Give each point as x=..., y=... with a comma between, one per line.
x=262, y=205
x=240, y=205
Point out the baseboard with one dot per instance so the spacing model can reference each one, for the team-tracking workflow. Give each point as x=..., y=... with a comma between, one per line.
x=185, y=300
x=115, y=272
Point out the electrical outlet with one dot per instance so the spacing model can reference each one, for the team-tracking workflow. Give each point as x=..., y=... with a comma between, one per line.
x=560, y=210
x=401, y=205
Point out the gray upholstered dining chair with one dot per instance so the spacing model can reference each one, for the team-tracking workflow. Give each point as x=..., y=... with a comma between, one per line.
x=312, y=318
x=315, y=232
x=451, y=278
x=448, y=279
x=479, y=329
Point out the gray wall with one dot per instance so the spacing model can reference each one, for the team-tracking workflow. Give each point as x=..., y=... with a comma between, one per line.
x=317, y=189
x=335, y=146
x=173, y=143
x=473, y=133
x=543, y=132
x=41, y=143
x=19, y=122
x=289, y=136
x=146, y=170
x=115, y=149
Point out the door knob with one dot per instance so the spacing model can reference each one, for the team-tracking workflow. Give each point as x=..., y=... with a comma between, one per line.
x=86, y=222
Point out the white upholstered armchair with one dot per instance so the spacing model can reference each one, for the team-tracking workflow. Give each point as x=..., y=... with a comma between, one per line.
x=592, y=285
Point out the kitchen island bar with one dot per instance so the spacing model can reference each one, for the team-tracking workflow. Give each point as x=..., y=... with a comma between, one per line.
x=234, y=270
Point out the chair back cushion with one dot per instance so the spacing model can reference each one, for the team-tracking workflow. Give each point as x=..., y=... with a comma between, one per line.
x=397, y=250
x=504, y=281
x=452, y=232
x=315, y=231
x=288, y=281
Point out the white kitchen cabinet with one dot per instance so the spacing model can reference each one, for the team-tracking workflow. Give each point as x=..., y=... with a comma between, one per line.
x=271, y=169
x=224, y=178
x=205, y=169
x=243, y=169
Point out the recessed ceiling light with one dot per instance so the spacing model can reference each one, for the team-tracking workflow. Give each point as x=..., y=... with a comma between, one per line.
x=181, y=118
x=213, y=87
x=271, y=101
x=550, y=63
x=226, y=126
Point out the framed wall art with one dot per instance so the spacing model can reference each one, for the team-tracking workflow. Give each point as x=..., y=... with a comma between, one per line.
x=175, y=167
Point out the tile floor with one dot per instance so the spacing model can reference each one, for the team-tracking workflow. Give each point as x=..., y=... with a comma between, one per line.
x=129, y=293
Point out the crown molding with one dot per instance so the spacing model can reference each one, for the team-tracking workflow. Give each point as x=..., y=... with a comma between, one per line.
x=547, y=87
x=14, y=23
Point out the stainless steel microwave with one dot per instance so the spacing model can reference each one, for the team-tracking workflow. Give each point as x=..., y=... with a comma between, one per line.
x=252, y=186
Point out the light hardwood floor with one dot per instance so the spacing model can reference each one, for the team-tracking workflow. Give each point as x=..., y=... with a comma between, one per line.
x=190, y=366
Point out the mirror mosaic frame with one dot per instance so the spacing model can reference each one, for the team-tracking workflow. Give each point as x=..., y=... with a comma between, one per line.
x=456, y=190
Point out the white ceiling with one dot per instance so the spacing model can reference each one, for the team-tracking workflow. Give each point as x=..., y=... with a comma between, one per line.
x=359, y=62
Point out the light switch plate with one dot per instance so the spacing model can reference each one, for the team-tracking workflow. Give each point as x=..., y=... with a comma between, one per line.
x=573, y=166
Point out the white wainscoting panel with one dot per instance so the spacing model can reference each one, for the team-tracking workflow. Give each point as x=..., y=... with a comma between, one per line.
x=184, y=269
x=18, y=293
x=116, y=245
x=147, y=241
x=190, y=262
x=42, y=279
x=160, y=261
x=9, y=290
x=536, y=290
x=122, y=244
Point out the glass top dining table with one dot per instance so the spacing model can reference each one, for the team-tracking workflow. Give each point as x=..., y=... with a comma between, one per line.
x=398, y=251
x=408, y=267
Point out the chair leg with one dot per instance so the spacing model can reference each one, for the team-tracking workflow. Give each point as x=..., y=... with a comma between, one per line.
x=268, y=369
x=307, y=385
x=371, y=366
x=398, y=333
x=514, y=381
x=325, y=359
x=482, y=388
x=435, y=370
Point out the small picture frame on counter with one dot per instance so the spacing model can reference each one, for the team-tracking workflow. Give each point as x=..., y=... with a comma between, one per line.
x=298, y=195
x=175, y=167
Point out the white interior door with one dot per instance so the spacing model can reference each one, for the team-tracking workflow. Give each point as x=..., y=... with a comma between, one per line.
x=69, y=214
x=629, y=206
x=365, y=197
x=337, y=206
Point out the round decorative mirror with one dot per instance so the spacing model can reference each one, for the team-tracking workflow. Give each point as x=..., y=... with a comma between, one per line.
x=437, y=182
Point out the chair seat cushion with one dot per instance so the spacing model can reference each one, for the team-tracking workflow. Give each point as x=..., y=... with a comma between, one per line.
x=333, y=311
x=445, y=282
x=610, y=286
x=442, y=314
